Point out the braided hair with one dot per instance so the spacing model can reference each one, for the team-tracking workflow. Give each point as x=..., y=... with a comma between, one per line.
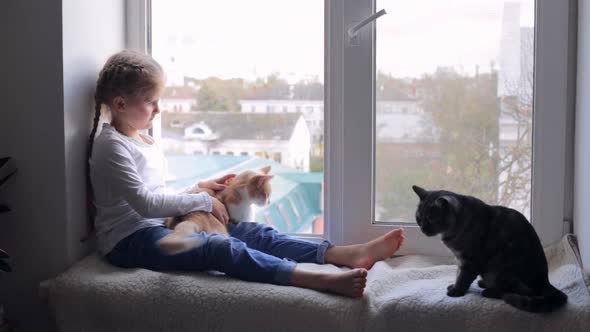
x=129, y=74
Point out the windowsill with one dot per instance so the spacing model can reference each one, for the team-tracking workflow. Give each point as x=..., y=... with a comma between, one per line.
x=408, y=290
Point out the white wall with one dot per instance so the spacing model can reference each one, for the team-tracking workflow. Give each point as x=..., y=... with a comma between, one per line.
x=49, y=62
x=582, y=140
x=85, y=49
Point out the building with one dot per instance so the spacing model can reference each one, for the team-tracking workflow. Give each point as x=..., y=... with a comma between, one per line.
x=392, y=114
x=281, y=137
x=179, y=99
x=312, y=110
x=400, y=119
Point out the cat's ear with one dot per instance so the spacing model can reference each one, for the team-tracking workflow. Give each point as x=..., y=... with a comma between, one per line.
x=260, y=180
x=266, y=169
x=447, y=201
x=229, y=179
x=421, y=192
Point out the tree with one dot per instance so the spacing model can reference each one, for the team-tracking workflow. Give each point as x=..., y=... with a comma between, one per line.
x=396, y=172
x=466, y=111
x=270, y=87
x=219, y=95
x=515, y=164
x=456, y=150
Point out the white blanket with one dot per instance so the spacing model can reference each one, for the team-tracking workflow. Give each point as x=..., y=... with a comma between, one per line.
x=403, y=294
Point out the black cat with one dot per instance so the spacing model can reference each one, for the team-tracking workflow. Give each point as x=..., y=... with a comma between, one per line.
x=495, y=242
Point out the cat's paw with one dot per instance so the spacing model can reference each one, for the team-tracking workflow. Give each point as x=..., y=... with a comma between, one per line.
x=452, y=291
x=481, y=284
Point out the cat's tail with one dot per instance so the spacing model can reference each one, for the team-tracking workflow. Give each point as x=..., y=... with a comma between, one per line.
x=550, y=299
x=173, y=244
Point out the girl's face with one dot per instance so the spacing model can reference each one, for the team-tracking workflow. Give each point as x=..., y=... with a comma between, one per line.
x=138, y=115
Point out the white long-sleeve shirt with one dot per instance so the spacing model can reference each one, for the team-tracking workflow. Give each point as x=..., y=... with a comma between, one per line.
x=128, y=183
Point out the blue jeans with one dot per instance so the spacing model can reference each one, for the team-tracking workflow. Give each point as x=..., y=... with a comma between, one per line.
x=253, y=252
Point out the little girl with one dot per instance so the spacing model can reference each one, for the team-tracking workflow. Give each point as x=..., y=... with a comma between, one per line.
x=127, y=181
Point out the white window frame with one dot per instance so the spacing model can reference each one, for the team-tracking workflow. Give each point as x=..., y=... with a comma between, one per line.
x=138, y=25
x=350, y=121
x=349, y=124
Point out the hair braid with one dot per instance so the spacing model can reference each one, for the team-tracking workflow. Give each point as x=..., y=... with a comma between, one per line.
x=97, y=108
x=89, y=191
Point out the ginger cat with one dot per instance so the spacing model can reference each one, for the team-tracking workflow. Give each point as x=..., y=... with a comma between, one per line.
x=243, y=190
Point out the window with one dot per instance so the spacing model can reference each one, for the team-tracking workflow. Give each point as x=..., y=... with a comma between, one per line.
x=284, y=64
x=390, y=53
x=480, y=107
x=397, y=52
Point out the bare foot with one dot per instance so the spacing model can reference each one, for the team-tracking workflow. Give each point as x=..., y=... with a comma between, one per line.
x=366, y=254
x=350, y=283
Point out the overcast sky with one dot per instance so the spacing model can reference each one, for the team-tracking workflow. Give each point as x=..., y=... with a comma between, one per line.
x=252, y=38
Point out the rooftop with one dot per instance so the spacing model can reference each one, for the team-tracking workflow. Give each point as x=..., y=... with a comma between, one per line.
x=233, y=125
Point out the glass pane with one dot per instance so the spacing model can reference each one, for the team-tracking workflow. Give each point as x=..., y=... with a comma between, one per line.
x=245, y=90
x=454, y=87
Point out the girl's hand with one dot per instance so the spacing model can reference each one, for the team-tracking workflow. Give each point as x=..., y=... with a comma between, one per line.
x=216, y=184
x=219, y=211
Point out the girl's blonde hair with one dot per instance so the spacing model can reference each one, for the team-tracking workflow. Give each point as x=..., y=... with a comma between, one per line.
x=129, y=74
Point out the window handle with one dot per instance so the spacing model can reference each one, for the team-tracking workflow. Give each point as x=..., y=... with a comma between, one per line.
x=354, y=30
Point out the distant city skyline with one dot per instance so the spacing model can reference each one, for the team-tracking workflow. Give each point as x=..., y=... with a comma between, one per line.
x=226, y=39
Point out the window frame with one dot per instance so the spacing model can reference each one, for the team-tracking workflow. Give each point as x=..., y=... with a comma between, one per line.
x=349, y=152
x=552, y=173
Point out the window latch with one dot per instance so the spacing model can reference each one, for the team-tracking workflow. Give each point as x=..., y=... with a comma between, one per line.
x=353, y=32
